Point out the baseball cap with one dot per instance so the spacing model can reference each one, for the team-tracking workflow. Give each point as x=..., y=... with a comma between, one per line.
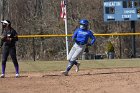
x=6, y=22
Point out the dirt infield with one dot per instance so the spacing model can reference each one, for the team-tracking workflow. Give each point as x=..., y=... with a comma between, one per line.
x=122, y=80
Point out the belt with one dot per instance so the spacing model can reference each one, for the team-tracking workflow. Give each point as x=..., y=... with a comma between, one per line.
x=79, y=43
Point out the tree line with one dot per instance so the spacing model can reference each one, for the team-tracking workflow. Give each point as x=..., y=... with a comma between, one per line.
x=43, y=17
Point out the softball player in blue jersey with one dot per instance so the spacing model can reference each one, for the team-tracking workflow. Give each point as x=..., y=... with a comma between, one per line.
x=80, y=37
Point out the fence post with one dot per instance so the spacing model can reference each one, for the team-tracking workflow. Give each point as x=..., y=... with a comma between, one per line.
x=133, y=40
x=120, y=47
x=33, y=48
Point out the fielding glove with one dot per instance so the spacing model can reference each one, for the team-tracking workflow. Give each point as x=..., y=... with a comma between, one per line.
x=88, y=44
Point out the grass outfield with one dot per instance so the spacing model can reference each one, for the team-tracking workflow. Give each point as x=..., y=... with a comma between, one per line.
x=43, y=66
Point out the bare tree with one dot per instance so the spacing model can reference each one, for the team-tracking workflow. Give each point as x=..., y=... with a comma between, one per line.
x=42, y=17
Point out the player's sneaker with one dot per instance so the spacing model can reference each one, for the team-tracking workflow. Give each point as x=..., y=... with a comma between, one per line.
x=2, y=76
x=17, y=75
x=65, y=73
x=77, y=67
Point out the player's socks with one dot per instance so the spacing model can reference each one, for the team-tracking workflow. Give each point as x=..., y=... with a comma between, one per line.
x=71, y=63
x=77, y=67
x=3, y=68
x=75, y=62
x=17, y=69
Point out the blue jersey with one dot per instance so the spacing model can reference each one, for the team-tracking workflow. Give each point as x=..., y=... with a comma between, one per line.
x=82, y=36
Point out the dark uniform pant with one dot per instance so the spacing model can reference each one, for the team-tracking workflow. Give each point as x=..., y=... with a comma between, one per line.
x=6, y=50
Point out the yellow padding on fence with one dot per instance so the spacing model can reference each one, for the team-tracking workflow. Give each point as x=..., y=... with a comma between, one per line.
x=57, y=35
x=37, y=36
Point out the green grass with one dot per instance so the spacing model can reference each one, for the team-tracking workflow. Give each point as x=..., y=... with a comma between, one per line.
x=44, y=66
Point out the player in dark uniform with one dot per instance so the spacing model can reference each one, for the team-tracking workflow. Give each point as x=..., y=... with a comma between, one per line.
x=8, y=39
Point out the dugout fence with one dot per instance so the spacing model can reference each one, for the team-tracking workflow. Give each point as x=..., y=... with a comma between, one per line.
x=40, y=51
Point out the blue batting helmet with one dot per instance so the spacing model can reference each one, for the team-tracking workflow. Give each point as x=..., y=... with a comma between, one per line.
x=83, y=22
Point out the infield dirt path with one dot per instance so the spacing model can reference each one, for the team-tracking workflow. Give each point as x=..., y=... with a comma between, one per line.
x=122, y=80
